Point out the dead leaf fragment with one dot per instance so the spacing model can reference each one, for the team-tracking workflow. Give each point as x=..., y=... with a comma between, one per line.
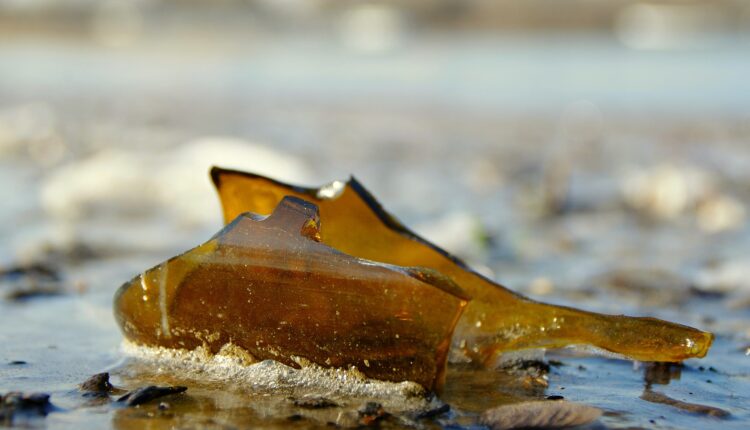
x=539, y=414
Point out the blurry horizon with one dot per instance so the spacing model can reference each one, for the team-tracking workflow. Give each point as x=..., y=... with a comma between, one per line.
x=504, y=57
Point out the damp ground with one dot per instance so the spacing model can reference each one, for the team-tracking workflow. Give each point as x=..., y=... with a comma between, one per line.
x=579, y=195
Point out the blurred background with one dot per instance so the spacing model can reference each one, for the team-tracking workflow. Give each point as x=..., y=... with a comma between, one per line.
x=584, y=152
x=467, y=118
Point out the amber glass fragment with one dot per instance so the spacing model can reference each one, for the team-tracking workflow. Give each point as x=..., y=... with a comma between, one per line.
x=496, y=319
x=270, y=287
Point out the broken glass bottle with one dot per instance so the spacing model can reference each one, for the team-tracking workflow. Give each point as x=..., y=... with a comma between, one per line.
x=269, y=286
x=496, y=319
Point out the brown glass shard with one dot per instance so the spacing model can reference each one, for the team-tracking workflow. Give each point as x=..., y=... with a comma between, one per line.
x=496, y=319
x=270, y=287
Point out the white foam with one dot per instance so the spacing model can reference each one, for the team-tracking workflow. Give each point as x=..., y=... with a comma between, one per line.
x=237, y=371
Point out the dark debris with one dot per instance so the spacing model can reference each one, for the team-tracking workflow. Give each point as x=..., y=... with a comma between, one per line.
x=315, y=403
x=295, y=417
x=23, y=282
x=37, y=270
x=435, y=412
x=372, y=413
x=30, y=405
x=146, y=394
x=530, y=367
